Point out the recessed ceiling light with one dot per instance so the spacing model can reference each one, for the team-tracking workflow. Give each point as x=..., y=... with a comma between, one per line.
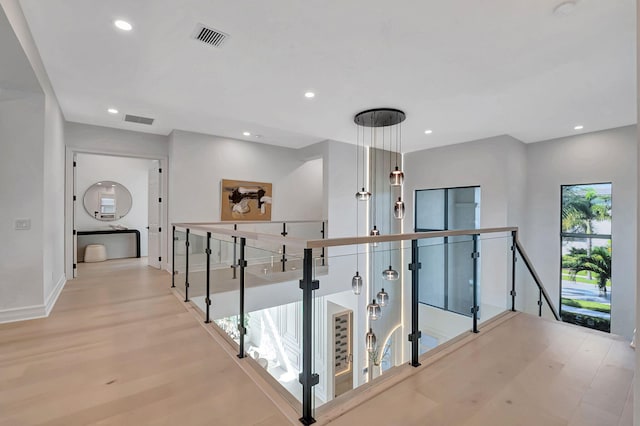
x=99, y=183
x=578, y=127
x=246, y=133
x=428, y=132
x=112, y=111
x=123, y=25
x=309, y=95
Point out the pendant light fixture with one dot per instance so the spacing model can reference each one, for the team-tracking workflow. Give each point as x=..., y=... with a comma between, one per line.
x=396, y=177
x=374, y=184
x=390, y=274
x=383, y=298
x=373, y=310
x=356, y=281
x=363, y=194
x=371, y=341
x=398, y=209
x=378, y=119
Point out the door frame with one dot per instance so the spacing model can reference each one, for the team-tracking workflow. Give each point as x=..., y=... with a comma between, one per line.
x=69, y=207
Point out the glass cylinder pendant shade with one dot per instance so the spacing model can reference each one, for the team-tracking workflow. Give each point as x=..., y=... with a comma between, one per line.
x=356, y=283
x=383, y=298
x=370, y=340
x=363, y=195
x=396, y=178
x=374, y=233
x=398, y=209
x=373, y=310
x=390, y=274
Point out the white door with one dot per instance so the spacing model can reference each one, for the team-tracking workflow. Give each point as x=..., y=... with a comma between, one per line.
x=154, y=215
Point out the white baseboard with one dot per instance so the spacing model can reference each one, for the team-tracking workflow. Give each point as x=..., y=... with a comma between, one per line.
x=22, y=313
x=36, y=311
x=53, y=297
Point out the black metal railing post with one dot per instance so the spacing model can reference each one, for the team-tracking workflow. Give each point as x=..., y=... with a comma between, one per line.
x=513, y=270
x=207, y=300
x=540, y=302
x=323, y=232
x=307, y=378
x=186, y=268
x=241, y=327
x=284, y=247
x=415, y=335
x=173, y=258
x=235, y=254
x=474, y=310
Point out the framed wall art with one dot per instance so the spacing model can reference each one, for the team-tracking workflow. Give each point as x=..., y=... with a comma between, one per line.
x=244, y=200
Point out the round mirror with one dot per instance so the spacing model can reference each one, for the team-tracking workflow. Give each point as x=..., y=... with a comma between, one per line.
x=107, y=200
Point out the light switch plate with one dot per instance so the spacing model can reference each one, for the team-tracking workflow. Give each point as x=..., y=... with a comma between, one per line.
x=23, y=224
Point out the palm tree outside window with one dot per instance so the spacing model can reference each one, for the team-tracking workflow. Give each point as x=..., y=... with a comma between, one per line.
x=585, y=277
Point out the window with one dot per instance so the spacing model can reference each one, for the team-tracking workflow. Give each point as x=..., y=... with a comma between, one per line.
x=585, y=238
x=446, y=279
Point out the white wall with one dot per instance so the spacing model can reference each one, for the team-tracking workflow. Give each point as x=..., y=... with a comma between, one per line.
x=199, y=162
x=133, y=174
x=32, y=176
x=520, y=186
x=481, y=163
x=53, y=220
x=607, y=156
x=21, y=192
x=105, y=140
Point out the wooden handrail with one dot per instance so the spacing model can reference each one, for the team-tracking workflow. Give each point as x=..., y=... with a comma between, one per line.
x=335, y=242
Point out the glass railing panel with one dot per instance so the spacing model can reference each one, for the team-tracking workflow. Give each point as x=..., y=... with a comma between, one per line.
x=274, y=318
x=445, y=290
x=307, y=231
x=459, y=271
x=197, y=264
x=341, y=321
x=179, y=259
x=224, y=287
x=220, y=272
x=494, y=275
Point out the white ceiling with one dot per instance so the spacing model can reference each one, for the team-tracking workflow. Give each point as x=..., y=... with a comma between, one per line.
x=467, y=69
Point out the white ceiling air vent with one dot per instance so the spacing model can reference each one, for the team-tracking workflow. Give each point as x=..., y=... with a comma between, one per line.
x=137, y=119
x=209, y=35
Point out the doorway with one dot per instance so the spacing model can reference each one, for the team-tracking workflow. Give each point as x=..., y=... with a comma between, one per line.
x=117, y=206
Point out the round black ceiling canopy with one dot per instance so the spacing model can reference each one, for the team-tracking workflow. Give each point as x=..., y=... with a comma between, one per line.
x=379, y=117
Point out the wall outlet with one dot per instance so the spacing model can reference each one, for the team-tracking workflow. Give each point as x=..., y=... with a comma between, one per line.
x=23, y=224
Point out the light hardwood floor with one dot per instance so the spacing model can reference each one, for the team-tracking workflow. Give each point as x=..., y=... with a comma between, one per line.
x=525, y=371
x=121, y=349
